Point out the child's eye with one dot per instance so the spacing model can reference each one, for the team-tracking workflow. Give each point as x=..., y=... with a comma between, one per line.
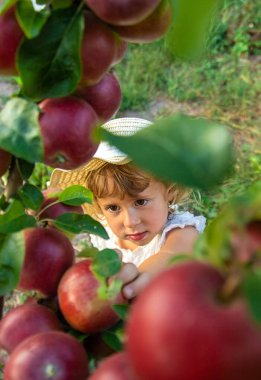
x=141, y=202
x=112, y=208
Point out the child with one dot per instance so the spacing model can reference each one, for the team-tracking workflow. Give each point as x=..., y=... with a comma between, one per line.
x=138, y=210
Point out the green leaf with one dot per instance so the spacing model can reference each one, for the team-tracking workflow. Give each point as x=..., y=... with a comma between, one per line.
x=88, y=252
x=77, y=223
x=122, y=310
x=190, y=151
x=19, y=130
x=114, y=288
x=176, y=259
x=56, y=4
x=30, y=196
x=106, y=263
x=191, y=27
x=25, y=168
x=112, y=340
x=6, y=4
x=42, y=2
x=215, y=244
x=31, y=21
x=76, y=195
x=3, y=203
x=77, y=335
x=49, y=65
x=252, y=291
x=12, y=250
x=102, y=290
x=15, y=219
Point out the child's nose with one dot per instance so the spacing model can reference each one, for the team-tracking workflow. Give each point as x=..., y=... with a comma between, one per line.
x=131, y=218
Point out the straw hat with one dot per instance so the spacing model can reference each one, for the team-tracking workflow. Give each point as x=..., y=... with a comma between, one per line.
x=105, y=153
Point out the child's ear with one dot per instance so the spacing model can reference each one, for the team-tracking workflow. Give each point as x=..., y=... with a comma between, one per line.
x=170, y=194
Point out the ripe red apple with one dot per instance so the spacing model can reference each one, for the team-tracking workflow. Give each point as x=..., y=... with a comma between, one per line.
x=253, y=229
x=123, y=12
x=98, y=49
x=48, y=355
x=52, y=212
x=48, y=254
x=104, y=97
x=116, y=367
x=179, y=328
x=246, y=242
x=121, y=49
x=149, y=29
x=24, y=321
x=66, y=126
x=5, y=159
x=79, y=302
x=10, y=37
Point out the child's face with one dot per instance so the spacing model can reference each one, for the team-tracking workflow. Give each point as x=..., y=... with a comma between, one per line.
x=136, y=221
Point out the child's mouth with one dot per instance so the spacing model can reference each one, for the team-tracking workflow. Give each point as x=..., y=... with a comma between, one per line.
x=137, y=236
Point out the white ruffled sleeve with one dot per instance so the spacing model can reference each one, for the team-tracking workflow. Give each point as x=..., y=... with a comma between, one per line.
x=181, y=220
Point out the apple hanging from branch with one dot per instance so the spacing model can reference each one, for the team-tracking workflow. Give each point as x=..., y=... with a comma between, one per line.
x=124, y=12
x=26, y=320
x=10, y=37
x=48, y=254
x=187, y=328
x=66, y=126
x=104, y=97
x=80, y=302
x=152, y=28
x=99, y=48
x=48, y=355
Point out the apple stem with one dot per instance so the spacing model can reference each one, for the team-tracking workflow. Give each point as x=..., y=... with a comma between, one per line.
x=14, y=180
x=46, y=207
x=46, y=220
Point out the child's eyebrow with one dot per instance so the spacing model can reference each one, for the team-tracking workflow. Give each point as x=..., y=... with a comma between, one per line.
x=144, y=194
x=107, y=202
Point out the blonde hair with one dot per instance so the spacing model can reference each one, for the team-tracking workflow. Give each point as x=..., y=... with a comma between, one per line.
x=127, y=179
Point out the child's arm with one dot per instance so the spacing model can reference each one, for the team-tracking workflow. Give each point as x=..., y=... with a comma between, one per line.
x=179, y=240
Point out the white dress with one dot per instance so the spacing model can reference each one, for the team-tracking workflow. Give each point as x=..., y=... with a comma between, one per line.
x=140, y=254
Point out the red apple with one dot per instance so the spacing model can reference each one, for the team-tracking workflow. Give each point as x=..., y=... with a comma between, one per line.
x=24, y=321
x=10, y=37
x=80, y=303
x=121, y=49
x=116, y=367
x=253, y=230
x=151, y=28
x=5, y=160
x=98, y=49
x=48, y=254
x=104, y=97
x=123, y=12
x=52, y=212
x=66, y=126
x=48, y=355
x=246, y=242
x=179, y=328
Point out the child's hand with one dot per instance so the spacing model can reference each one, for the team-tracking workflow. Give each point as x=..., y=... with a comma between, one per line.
x=133, y=280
